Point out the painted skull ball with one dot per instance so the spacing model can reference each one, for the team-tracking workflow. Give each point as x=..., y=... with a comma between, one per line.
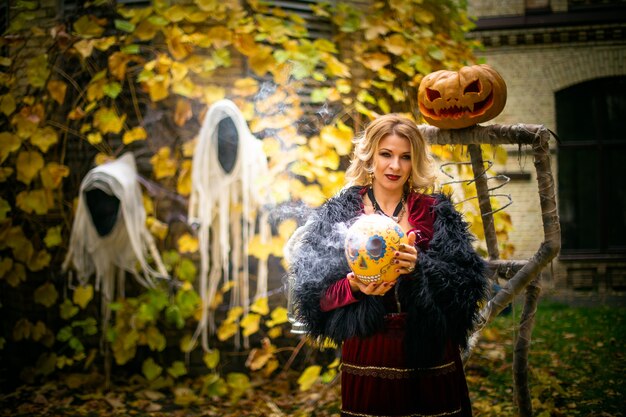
x=463, y=98
x=370, y=246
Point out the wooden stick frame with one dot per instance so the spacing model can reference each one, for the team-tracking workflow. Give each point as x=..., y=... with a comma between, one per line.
x=521, y=274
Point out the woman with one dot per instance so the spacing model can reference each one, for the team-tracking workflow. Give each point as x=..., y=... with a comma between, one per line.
x=402, y=340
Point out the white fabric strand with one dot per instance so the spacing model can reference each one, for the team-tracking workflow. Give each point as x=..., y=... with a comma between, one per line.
x=129, y=243
x=223, y=205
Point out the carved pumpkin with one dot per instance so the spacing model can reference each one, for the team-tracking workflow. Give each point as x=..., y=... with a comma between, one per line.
x=370, y=246
x=458, y=99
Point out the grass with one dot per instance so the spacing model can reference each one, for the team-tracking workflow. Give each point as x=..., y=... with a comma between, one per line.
x=576, y=363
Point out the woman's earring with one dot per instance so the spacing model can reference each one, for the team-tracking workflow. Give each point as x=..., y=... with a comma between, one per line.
x=371, y=178
x=410, y=183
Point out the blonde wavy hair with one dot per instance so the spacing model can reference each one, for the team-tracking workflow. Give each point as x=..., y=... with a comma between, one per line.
x=362, y=164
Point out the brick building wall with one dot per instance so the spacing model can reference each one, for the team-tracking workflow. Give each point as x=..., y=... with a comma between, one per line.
x=536, y=62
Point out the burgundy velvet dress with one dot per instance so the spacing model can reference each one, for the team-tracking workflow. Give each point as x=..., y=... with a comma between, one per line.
x=375, y=378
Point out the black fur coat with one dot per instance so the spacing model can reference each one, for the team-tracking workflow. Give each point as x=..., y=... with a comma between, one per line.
x=441, y=300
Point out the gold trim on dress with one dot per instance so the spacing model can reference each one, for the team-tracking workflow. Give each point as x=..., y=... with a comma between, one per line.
x=396, y=373
x=445, y=413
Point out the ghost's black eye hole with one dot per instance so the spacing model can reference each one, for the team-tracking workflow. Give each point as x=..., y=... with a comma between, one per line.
x=473, y=87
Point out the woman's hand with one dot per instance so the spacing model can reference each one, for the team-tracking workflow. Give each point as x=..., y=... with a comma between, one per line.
x=373, y=288
x=405, y=258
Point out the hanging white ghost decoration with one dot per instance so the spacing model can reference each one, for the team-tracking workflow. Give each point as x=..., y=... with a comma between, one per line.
x=109, y=237
x=229, y=185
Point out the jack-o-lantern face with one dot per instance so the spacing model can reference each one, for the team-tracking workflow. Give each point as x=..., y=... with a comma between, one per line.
x=458, y=99
x=370, y=246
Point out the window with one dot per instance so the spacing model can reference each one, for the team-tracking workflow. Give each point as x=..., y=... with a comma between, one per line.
x=592, y=185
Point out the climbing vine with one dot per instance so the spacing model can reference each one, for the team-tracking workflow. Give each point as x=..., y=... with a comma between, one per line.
x=112, y=79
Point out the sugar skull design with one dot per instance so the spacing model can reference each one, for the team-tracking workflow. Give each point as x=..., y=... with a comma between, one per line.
x=370, y=246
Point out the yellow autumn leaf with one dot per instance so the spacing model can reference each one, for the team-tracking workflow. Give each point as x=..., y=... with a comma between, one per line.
x=158, y=87
x=82, y=295
x=6, y=264
x=8, y=143
x=183, y=184
x=157, y=227
x=278, y=316
x=105, y=43
x=185, y=88
x=136, y=133
x=211, y=358
x=25, y=125
x=22, y=330
x=118, y=61
x=396, y=44
x=145, y=31
x=39, y=261
x=226, y=331
x=94, y=138
x=233, y=314
x=340, y=137
x=174, y=38
x=7, y=104
x=57, y=90
x=46, y=295
x=162, y=165
x=220, y=36
x=183, y=112
x=260, y=306
x=187, y=243
x=262, y=60
x=16, y=275
x=52, y=175
x=44, y=138
x=88, y=26
x=37, y=70
x=187, y=344
x=84, y=47
x=174, y=14
x=258, y=249
x=375, y=61
x=38, y=331
x=245, y=87
x=28, y=164
x=250, y=324
x=308, y=377
x=32, y=201
x=213, y=93
x=106, y=120
x=53, y=237
x=258, y=358
x=5, y=208
x=286, y=228
x=5, y=173
x=336, y=67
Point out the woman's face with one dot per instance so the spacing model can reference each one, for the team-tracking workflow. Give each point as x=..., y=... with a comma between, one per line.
x=392, y=162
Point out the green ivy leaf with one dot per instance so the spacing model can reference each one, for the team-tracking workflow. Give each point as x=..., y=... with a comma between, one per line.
x=155, y=339
x=150, y=369
x=211, y=358
x=46, y=295
x=67, y=309
x=65, y=334
x=177, y=369
x=37, y=71
x=174, y=316
x=124, y=25
x=112, y=89
x=186, y=270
